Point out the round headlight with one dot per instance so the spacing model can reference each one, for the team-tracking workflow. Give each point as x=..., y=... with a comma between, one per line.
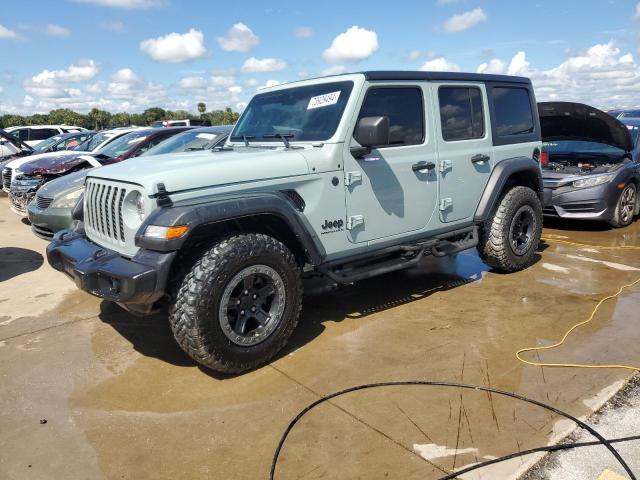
x=133, y=209
x=139, y=201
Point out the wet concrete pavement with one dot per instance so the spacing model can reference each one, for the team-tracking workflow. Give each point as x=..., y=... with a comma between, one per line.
x=121, y=400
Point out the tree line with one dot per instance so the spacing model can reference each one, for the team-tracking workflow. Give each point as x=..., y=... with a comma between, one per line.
x=98, y=119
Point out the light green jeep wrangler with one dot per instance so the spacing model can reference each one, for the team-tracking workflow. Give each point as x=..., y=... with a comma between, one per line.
x=347, y=176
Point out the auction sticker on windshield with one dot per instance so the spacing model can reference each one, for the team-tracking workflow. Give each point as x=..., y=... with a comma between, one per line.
x=324, y=100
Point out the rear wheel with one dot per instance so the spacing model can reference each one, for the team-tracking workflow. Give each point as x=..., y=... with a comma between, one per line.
x=511, y=236
x=625, y=207
x=239, y=303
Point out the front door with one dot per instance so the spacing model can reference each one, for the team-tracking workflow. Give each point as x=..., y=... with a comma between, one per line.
x=386, y=192
x=464, y=146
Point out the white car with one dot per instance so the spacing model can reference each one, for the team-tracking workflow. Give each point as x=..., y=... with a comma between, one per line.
x=34, y=134
x=93, y=144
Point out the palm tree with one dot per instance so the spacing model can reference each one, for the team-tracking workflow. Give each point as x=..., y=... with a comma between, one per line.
x=202, y=107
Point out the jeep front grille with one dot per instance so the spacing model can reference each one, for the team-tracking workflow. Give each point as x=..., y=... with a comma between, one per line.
x=103, y=210
x=6, y=179
x=43, y=202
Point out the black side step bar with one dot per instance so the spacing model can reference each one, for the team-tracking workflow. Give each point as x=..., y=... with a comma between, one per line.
x=400, y=257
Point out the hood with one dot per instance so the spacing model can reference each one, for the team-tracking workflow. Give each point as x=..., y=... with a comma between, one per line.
x=192, y=170
x=63, y=185
x=38, y=156
x=576, y=121
x=58, y=164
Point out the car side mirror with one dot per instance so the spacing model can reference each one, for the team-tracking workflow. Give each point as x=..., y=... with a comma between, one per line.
x=370, y=132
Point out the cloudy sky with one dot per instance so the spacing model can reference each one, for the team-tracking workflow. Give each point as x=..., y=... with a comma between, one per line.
x=132, y=54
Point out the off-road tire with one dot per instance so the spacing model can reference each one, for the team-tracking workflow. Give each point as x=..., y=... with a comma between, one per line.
x=618, y=221
x=194, y=313
x=495, y=246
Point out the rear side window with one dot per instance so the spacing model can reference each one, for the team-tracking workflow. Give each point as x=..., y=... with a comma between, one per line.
x=512, y=108
x=404, y=108
x=461, y=113
x=42, y=133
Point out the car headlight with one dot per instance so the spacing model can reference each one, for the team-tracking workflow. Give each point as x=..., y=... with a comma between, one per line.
x=68, y=200
x=139, y=201
x=592, y=181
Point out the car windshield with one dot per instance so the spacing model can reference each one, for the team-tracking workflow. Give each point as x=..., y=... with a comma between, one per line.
x=309, y=113
x=91, y=143
x=185, y=142
x=630, y=114
x=123, y=144
x=45, y=144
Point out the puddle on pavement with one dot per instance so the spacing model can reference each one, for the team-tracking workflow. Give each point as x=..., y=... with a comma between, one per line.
x=147, y=410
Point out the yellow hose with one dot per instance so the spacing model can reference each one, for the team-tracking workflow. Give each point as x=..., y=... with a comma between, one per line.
x=593, y=313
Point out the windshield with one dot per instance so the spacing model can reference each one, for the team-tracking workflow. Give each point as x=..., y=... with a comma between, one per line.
x=309, y=113
x=123, y=144
x=186, y=142
x=91, y=143
x=45, y=144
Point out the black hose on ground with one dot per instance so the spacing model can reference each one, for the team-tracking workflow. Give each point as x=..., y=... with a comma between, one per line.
x=601, y=440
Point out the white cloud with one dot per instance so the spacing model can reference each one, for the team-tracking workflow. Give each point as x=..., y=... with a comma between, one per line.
x=354, y=45
x=600, y=76
x=126, y=4
x=636, y=13
x=304, y=32
x=333, y=70
x=440, y=64
x=466, y=20
x=124, y=83
x=254, y=64
x=8, y=33
x=175, y=47
x=55, y=83
x=57, y=30
x=494, y=66
x=235, y=89
x=115, y=26
x=239, y=38
x=193, y=83
x=269, y=83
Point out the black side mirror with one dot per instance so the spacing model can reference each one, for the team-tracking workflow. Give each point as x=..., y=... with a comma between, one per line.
x=370, y=132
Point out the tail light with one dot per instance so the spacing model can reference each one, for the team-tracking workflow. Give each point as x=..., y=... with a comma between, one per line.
x=544, y=159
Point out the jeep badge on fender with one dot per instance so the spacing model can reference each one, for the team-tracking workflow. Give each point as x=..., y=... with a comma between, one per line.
x=228, y=237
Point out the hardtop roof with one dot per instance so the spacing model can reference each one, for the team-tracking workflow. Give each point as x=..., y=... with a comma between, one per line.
x=447, y=76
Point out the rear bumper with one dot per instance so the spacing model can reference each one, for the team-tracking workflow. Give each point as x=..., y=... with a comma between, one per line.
x=135, y=283
x=597, y=203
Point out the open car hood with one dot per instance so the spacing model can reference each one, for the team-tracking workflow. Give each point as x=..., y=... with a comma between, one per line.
x=15, y=141
x=577, y=121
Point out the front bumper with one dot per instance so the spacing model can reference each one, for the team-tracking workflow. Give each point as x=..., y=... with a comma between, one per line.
x=47, y=221
x=595, y=203
x=136, y=283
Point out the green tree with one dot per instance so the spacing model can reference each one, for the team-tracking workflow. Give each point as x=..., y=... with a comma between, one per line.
x=98, y=119
x=154, y=113
x=121, y=119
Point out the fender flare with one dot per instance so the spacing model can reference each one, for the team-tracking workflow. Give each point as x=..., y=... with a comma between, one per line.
x=229, y=208
x=499, y=178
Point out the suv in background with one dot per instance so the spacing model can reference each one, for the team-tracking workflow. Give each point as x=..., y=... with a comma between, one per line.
x=34, y=134
x=345, y=177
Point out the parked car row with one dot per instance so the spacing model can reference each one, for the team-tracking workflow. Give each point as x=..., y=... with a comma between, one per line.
x=34, y=134
x=46, y=186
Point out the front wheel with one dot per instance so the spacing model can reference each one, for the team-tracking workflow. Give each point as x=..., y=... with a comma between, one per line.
x=239, y=303
x=511, y=236
x=625, y=206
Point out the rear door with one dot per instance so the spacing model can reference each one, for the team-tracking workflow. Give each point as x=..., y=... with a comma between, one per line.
x=385, y=195
x=465, y=148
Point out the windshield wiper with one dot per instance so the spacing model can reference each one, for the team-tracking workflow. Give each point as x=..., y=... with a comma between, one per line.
x=193, y=149
x=282, y=136
x=244, y=138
